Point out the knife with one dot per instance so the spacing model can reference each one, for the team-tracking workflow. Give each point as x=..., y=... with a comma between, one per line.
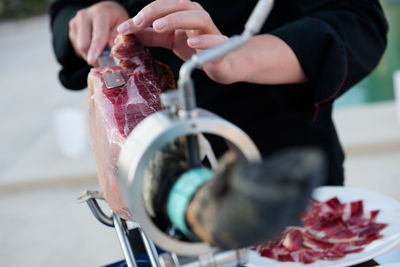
x=111, y=79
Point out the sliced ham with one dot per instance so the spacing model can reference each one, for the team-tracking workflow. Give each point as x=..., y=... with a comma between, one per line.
x=330, y=230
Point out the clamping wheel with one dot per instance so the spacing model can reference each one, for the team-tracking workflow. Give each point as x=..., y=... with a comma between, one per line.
x=152, y=135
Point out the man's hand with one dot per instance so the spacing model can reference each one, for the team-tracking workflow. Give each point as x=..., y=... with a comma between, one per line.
x=182, y=26
x=95, y=27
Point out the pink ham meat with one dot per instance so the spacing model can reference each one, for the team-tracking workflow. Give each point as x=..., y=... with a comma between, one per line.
x=114, y=113
x=330, y=230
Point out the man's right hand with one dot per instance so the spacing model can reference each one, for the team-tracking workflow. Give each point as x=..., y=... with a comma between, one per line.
x=95, y=27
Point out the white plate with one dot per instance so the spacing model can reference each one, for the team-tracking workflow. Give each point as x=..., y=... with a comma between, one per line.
x=389, y=213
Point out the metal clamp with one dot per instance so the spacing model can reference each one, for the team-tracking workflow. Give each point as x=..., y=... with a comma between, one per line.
x=90, y=197
x=150, y=136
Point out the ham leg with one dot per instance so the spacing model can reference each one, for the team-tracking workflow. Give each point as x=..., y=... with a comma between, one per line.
x=114, y=113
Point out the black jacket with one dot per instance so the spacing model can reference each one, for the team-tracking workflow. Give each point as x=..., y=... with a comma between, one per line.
x=338, y=42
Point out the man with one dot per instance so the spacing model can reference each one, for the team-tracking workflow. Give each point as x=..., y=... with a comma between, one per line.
x=279, y=88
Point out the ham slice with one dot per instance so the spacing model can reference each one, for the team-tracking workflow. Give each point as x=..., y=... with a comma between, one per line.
x=114, y=113
x=330, y=230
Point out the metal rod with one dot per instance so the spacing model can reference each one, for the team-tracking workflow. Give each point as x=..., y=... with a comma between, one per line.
x=194, y=152
x=124, y=242
x=175, y=259
x=90, y=197
x=98, y=213
x=187, y=96
x=150, y=249
x=258, y=16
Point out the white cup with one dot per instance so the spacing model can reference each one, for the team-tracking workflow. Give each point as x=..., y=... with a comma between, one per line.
x=396, y=83
x=71, y=131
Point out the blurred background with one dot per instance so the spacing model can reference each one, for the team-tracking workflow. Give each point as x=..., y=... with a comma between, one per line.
x=46, y=161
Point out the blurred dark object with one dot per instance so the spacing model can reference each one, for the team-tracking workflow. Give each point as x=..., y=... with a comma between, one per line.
x=19, y=9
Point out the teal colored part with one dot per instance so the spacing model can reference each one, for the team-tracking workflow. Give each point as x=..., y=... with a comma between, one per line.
x=181, y=194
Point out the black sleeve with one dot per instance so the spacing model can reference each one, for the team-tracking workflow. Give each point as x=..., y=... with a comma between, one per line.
x=337, y=43
x=74, y=70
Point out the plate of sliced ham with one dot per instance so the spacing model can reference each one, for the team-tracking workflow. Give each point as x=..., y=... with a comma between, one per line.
x=342, y=226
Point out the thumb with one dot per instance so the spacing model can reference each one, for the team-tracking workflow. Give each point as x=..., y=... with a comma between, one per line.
x=100, y=39
x=112, y=35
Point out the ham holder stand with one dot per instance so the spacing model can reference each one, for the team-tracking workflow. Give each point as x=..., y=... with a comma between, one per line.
x=181, y=118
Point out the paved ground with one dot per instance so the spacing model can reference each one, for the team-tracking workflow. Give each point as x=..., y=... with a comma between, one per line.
x=41, y=224
x=371, y=138
x=44, y=226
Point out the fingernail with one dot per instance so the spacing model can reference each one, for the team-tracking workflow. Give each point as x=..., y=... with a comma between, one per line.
x=159, y=24
x=92, y=56
x=123, y=28
x=138, y=19
x=194, y=41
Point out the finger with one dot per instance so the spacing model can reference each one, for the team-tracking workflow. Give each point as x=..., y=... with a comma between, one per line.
x=170, y=40
x=153, y=11
x=186, y=20
x=72, y=34
x=112, y=35
x=83, y=36
x=180, y=47
x=149, y=37
x=100, y=37
x=206, y=41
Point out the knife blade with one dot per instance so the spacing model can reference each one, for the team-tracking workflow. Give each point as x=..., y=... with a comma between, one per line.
x=111, y=79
